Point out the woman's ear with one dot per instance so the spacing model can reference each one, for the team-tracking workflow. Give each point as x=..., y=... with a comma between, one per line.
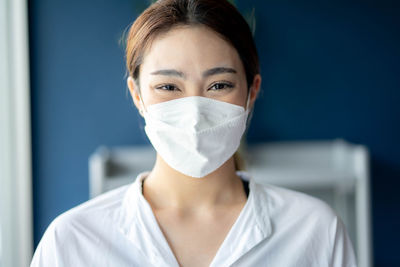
x=134, y=91
x=255, y=89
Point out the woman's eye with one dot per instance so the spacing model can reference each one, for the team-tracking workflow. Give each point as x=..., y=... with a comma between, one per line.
x=221, y=86
x=167, y=87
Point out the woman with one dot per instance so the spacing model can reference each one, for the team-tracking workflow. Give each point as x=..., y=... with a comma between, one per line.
x=194, y=77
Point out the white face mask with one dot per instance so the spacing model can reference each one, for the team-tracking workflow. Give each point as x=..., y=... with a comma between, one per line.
x=195, y=135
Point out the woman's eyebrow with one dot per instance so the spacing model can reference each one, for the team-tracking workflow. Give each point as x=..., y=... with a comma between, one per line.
x=209, y=72
x=218, y=70
x=169, y=72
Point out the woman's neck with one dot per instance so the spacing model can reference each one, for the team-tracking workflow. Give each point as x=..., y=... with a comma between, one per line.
x=165, y=187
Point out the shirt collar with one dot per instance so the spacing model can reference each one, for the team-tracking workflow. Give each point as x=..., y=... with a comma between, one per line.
x=251, y=227
x=137, y=222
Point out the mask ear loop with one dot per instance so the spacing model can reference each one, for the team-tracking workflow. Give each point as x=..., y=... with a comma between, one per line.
x=248, y=99
x=141, y=111
x=249, y=112
x=141, y=101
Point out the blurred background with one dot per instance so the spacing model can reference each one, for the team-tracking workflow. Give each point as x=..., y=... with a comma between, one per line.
x=330, y=70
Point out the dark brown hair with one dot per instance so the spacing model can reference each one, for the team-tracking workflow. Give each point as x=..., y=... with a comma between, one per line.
x=218, y=15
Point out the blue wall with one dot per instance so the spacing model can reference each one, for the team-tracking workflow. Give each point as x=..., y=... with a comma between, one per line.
x=79, y=97
x=330, y=69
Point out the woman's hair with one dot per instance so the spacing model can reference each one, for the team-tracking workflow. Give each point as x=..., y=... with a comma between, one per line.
x=218, y=15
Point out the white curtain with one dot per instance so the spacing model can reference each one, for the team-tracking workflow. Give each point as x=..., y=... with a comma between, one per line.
x=15, y=144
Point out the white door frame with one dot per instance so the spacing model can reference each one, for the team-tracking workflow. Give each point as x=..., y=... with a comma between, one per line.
x=16, y=239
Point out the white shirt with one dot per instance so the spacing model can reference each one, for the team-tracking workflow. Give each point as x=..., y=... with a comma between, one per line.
x=277, y=227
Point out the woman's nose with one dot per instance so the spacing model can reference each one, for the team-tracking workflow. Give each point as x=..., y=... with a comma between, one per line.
x=195, y=90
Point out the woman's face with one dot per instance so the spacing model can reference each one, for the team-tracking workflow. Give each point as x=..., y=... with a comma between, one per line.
x=192, y=61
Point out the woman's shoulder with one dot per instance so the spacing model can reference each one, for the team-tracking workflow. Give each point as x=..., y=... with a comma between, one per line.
x=279, y=199
x=107, y=203
x=83, y=235
x=89, y=220
x=284, y=203
x=300, y=225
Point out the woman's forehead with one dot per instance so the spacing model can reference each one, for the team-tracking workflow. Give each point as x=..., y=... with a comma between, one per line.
x=190, y=48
